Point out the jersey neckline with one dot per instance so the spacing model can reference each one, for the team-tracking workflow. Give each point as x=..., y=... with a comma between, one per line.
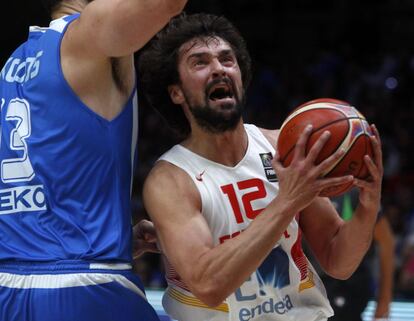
x=240, y=163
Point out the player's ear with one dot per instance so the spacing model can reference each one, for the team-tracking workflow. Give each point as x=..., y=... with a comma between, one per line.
x=176, y=94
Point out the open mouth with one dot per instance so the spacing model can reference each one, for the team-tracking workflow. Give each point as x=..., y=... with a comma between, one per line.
x=221, y=91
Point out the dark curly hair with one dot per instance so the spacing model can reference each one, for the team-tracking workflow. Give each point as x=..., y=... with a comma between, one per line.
x=158, y=61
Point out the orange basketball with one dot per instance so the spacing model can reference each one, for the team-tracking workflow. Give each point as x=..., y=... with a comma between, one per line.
x=349, y=130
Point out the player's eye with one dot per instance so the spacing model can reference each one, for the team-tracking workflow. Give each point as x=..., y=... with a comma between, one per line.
x=200, y=62
x=227, y=60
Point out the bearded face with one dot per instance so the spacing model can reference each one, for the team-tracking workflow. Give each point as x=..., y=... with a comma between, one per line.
x=220, y=109
x=210, y=84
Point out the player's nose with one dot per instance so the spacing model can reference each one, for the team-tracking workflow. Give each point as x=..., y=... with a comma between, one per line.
x=218, y=70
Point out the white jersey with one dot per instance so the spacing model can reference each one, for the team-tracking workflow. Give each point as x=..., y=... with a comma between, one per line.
x=285, y=287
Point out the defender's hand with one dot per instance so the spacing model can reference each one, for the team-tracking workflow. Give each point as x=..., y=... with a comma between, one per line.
x=144, y=239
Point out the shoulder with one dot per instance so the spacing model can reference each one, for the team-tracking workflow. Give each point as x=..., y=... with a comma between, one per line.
x=164, y=171
x=271, y=135
x=167, y=181
x=170, y=196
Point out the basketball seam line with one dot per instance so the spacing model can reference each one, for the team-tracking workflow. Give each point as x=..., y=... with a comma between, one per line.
x=319, y=128
x=337, y=163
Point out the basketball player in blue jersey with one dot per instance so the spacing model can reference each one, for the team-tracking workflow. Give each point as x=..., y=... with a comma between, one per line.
x=228, y=217
x=68, y=136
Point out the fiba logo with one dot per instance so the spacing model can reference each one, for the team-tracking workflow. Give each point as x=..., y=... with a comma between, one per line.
x=266, y=159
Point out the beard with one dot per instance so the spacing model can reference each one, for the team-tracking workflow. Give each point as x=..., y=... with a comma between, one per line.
x=219, y=119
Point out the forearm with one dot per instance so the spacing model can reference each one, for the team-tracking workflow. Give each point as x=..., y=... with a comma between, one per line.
x=350, y=243
x=353, y=238
x=385, y=289
x=384, y=295
x=231, y=263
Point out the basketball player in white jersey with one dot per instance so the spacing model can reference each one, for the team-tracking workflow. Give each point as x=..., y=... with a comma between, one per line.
x=229, y=218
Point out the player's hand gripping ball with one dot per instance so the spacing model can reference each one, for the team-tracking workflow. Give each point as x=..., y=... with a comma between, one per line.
x=349, y=130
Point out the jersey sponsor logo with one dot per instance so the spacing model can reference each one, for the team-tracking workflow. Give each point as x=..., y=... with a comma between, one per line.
x=21, y=71
x=270, y=173
x=272, y=276
x=266, y=308
x=199, y=176
x=273, y=273
x=22, y=199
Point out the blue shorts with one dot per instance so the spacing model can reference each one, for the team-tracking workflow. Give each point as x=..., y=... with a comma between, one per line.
x=72, y=291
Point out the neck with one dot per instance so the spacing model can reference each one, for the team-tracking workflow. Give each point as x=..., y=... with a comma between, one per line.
x=68, y=8
x=226, y=148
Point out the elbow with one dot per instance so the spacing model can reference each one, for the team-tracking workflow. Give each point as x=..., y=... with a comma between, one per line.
x=206, y=284
x=340, y=273
x=174, y=7
x=337, y=270
x=210, y=293
x=211, y=298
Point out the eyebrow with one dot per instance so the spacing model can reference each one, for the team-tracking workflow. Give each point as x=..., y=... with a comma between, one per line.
x=224, y=52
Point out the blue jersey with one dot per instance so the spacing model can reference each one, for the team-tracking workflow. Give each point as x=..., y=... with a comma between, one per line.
x=66, y=172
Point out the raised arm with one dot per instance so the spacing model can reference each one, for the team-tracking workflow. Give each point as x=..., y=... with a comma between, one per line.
x=97, y=48
x=116, y=28
x=338, y=245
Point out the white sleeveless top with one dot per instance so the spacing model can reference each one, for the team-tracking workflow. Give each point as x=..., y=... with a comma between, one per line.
x=285, y=287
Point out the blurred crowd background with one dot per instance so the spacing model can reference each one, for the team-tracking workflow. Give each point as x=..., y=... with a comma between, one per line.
x=358, y=51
